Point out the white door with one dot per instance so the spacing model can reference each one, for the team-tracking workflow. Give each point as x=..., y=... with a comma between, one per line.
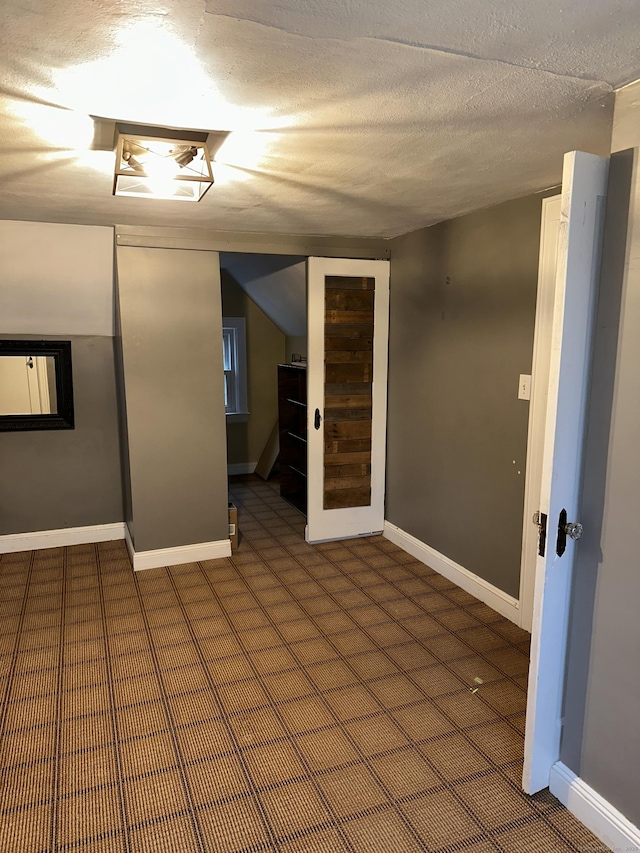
x=348, y=330
x=584, y=183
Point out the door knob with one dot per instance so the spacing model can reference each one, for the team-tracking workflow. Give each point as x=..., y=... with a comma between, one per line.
x=317, y=419
x=572, y=529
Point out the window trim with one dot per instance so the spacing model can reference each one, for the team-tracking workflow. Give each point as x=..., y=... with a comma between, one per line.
x=238, y=371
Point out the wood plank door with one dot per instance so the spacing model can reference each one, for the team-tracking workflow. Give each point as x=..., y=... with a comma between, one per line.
x=584, y=184
x=348, y=330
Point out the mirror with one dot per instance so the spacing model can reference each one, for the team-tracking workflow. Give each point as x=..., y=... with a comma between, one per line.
x=35, y=385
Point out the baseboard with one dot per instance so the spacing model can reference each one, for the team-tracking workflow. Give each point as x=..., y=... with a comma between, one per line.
x=241, y=468
x=65, y=536
x=174, y=556
x=591, y=809
x=495, y=598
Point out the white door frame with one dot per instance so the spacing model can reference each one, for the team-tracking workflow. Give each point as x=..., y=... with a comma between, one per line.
x=549, y=226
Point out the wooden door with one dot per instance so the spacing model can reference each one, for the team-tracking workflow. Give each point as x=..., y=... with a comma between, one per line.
x=584, y=183
x=348, y=319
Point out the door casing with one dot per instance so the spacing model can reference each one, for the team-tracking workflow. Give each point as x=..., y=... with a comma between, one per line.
x=549, y=227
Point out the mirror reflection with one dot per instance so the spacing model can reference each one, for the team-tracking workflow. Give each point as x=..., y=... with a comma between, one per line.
x=36, y=385
x=28, y=385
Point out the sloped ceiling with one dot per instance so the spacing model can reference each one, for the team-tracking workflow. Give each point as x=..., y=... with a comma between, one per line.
x=364, y=118
x=277, y=284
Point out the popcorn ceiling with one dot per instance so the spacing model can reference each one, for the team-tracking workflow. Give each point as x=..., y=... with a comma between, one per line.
x=359, y=119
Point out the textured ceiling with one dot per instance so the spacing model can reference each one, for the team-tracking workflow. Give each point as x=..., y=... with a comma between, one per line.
x=363, y=118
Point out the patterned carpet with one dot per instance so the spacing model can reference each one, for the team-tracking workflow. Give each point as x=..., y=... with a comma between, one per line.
x=341, y=697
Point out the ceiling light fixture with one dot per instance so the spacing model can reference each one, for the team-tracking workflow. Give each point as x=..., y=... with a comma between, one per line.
x=169, y=164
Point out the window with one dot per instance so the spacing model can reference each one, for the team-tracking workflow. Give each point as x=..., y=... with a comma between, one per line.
x=234, y=360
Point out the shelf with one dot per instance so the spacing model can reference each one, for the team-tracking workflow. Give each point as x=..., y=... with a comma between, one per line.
x=297, y=437
x=292, y=416
x=297, y=471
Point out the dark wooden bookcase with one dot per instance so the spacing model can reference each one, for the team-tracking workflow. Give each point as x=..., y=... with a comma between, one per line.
x=292, y=417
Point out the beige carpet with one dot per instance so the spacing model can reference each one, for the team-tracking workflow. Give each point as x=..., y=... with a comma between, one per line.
x=341, y=697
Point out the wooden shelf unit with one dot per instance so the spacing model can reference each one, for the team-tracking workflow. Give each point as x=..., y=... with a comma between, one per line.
x=292, y=420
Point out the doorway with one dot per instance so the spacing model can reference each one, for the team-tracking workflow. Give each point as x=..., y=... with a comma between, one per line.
x=265, y=296
x=332, y=454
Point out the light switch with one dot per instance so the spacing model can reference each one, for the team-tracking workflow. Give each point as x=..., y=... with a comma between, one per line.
x=524, y=387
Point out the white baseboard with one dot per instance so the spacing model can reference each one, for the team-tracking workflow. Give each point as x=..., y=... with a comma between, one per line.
x=241, y=468
x=591, y=809
x=495, y=598
x=174, y=556
x=60, y=538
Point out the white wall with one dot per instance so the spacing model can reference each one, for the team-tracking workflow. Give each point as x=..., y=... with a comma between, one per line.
x=56, y=279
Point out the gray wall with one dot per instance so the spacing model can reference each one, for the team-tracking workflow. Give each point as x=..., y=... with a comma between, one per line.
x=463, y=297
x=171, y=328
x=246, y=439
x=57, y=283
x=601, y=737
x=67, y=478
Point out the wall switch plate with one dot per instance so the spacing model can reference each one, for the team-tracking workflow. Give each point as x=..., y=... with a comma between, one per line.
x=524, y=387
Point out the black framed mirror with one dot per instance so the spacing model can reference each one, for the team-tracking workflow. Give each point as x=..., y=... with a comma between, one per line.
x=36, y=385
